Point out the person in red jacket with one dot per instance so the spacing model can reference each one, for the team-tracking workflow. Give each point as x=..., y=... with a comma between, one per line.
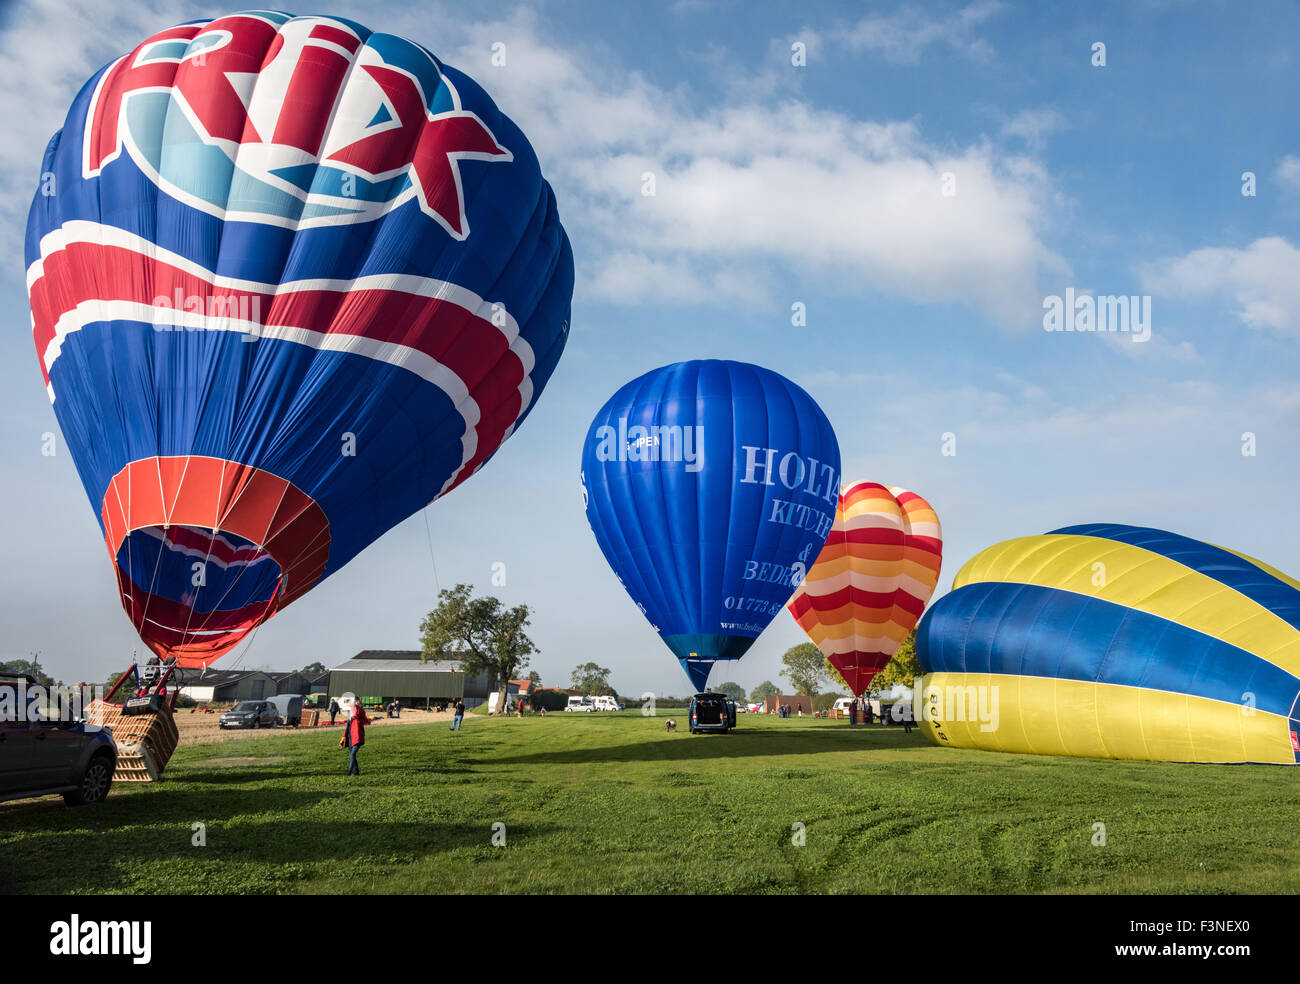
x=354, y=736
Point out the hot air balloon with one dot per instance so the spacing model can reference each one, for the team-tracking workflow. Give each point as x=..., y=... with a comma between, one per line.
x=1111, y=641
x=290, y=281
x=871, y=581
x=710, y=487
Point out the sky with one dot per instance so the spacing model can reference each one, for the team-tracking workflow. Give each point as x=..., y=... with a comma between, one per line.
x=921, y=178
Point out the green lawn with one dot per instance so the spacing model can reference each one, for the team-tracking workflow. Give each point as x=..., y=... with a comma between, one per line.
x=612, y=803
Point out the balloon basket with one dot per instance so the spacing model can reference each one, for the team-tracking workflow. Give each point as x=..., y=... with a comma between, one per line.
x=145, y=742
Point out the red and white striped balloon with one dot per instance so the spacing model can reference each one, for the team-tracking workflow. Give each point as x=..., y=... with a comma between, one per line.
x=872, y=580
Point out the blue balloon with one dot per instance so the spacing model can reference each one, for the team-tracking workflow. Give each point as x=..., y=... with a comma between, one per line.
x=711, y=487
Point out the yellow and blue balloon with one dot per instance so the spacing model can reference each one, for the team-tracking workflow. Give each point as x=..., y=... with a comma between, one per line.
x=1111, y=641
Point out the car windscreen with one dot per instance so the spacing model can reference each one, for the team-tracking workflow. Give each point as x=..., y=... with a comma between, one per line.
x=247, y=705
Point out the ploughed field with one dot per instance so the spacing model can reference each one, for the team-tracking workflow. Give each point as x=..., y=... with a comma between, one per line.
x=197, y=727
x=613, y=803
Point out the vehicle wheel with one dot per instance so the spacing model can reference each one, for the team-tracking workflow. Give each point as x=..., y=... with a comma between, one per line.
x=95, y=783
x=257, y=723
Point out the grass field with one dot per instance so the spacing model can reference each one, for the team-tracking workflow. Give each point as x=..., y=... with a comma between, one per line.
x=612, y=803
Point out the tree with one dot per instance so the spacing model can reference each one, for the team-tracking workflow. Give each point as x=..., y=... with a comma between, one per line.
x=836, y=678
x=592, y=679
x=805, y=668
x=903, y=669
x=313, y=669
x=551, y=700
x=30, y=667
x=534, y=677
x=764, y=690
x=486, y=636
x=733, y=690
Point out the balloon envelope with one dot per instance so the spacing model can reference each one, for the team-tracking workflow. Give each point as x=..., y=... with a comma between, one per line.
x=298, y=280
x=710, y=487
x=1114, y=641
x=872, y=579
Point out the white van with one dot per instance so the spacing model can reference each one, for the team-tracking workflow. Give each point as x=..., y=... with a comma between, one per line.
x=580, y=704
x=607, y=703
x=289, y=707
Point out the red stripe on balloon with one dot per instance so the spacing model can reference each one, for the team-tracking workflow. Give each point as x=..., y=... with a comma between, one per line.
x=471, y=347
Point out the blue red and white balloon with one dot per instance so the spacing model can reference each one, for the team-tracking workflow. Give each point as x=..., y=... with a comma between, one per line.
x=290, y=280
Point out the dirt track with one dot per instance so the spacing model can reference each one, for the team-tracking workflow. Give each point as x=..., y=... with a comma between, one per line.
x=199, y=728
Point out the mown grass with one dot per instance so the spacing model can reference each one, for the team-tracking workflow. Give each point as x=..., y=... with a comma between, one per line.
x=611, y=803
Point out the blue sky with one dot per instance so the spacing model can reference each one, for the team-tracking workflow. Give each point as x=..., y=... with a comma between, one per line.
x=778, y=184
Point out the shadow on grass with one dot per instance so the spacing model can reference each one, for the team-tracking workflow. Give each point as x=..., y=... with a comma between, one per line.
x=173, y=864
x=685, y=747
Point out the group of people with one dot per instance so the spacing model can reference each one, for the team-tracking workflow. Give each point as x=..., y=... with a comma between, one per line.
x=860, y=712
x=354, y=729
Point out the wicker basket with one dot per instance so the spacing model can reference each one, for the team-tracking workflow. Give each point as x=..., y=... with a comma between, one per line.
x=309, y=718
x=145, y=742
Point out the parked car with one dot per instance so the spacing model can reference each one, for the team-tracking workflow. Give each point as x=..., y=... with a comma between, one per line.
x=580, y=704
x=607, y=703
x=289, y=707
x=250, y=714
x=712, y=712
x=42, y=755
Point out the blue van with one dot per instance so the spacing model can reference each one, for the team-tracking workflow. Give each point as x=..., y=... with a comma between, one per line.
x=712, y=712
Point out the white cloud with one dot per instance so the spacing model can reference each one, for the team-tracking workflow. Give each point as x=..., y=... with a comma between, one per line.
x=904, y=35
x=745, y=185
x=1034, y=126
x=750, y=183
x=1263, y=280
x=1158, y=347
x=1288, y=173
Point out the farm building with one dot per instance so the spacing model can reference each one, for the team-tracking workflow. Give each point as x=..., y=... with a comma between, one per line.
x=793, y=701
x=400, y=674
x=291, y=683
x=227, y=685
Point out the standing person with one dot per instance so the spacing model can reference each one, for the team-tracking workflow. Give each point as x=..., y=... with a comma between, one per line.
x=354, y=736
x=907, y=717
x=334, y=710
x=459, y=714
